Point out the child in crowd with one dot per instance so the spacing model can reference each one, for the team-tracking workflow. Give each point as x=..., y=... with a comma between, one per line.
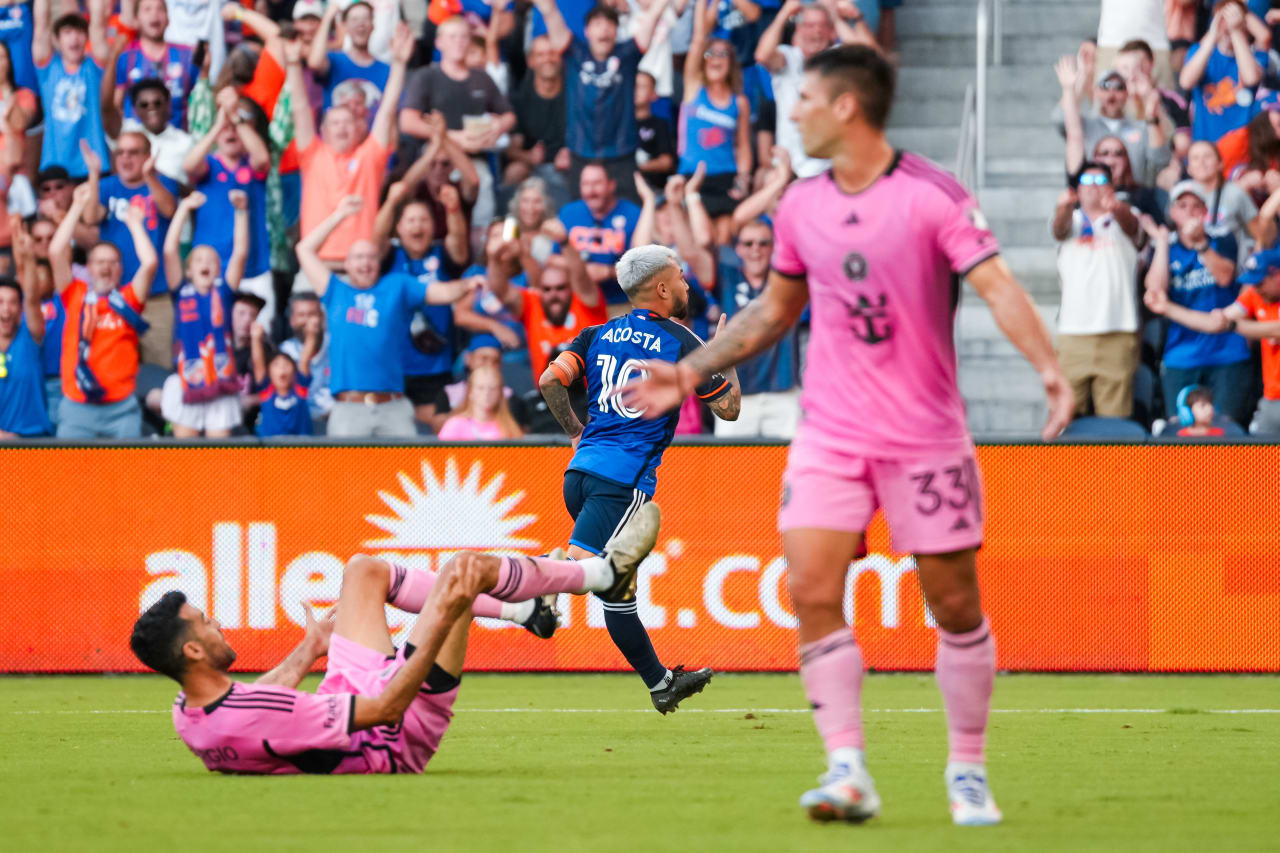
x=484, y=55
x=202, y=396
x=484, y=413
x=1198, y=402
x=656, y=153
x=282, y=384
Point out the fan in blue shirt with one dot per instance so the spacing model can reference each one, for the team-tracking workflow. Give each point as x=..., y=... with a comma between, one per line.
x=429, y=348
x=1198, y=272
x=16, y=32
x=599, y=227
x=600, y=77
x=22, y=402
x=282, y=385
x=614, y=468
x=1223, y=77
x=356, y=63
x=135, y=184
x=70, y=78
x=775, y=369
x=369, y=317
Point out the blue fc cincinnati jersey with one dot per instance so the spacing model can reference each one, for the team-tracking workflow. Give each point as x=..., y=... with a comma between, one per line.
x=617, y=444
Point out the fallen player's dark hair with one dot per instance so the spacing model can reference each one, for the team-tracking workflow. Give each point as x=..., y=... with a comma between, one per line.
x=158, y=636
x=863, y=71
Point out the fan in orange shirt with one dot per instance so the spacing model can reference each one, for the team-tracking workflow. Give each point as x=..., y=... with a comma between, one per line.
x=562, y=303
x=337, y=164
x=1249, y=153
x=100, y=336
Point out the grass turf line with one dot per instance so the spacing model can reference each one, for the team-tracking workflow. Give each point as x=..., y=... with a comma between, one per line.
x=1179, y=780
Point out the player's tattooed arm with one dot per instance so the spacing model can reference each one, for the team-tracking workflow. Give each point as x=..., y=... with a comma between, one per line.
x=556, y=393
x=754, y=329
x=728, y=407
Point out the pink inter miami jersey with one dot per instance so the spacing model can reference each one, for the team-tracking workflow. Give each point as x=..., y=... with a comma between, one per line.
x=271, y=729
x=883, y=268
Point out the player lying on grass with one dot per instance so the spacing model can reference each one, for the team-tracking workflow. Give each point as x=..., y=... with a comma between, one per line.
x=378, y=709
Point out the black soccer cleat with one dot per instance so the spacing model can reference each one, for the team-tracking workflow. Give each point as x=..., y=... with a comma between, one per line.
x=683, y=685
x=544, y=621
x=627, y=550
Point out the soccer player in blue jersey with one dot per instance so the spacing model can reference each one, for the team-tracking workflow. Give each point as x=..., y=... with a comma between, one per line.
x=617, y=453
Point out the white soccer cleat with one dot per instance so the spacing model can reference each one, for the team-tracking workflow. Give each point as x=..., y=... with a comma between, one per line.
x=847, y=793
x=971, y=800
x=627, y=550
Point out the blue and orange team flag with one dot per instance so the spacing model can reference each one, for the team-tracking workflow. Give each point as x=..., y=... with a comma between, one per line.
x=441, y=10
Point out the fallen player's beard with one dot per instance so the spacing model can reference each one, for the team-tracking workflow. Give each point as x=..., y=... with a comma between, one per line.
x=224, y=661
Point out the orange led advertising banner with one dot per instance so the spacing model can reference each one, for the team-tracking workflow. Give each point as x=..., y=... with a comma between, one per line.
x=1138, y=558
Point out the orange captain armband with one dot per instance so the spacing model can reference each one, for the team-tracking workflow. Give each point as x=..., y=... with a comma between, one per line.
x=568, y=366
x=717, y=390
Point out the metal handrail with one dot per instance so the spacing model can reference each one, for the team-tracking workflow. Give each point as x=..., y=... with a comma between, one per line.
x=980, y=92
x=997, y=32
x=965, y=169
x=971, y=150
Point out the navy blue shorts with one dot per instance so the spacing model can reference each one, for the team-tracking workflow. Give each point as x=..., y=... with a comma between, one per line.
x=599, y=508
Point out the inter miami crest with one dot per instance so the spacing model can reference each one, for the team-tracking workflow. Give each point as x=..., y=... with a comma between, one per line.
x=855, y=267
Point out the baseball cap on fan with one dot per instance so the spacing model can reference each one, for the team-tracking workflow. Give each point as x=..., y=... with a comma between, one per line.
x=1260, y=265
x=1188, y=186
x=308, y=9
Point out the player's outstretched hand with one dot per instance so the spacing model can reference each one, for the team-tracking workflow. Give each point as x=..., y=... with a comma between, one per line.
x=1062, y=403
x=319, y=631
x=662, y=388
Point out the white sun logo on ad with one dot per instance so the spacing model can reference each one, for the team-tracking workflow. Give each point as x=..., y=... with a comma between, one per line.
x=441, y=516
x=451, y=513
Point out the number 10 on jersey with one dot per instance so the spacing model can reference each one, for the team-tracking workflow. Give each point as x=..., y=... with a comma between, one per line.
x=612, y=377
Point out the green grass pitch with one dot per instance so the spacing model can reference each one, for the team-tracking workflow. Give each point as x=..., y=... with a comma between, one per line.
x=92, y=763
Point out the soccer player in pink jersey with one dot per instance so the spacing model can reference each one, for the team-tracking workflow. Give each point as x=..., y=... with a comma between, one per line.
x=878, y=244
x=379, y=709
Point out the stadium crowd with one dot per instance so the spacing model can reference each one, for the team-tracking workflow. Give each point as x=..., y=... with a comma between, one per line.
x=1167, y=229
x=380, y=217
x=387, y=217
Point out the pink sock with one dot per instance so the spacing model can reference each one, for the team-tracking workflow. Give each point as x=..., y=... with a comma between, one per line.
x=522, y=578
x=831, y=669
x=966, y=672
x=409, y=589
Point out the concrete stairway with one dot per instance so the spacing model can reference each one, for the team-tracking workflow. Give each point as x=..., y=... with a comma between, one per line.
x=1024, y=169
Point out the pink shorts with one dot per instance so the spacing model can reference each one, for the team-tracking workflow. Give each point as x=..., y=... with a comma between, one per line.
x=933, y=503
x=403, y=748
